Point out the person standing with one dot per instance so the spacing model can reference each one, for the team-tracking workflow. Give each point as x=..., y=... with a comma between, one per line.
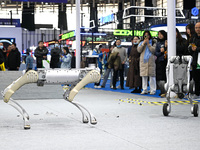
x=123, y=56
x=161, y=61
x=194, y=50
x=29, y=60
x=14, y=58
x=133, y=79
x=2, y=55
x=181, y=44
x=190, y=32
x=3, y=51
x=66, y=58
x=97, y=51
x=147, y=63
x=41, y=54
x=109, y=69
x=2, y=61
x=55, y=56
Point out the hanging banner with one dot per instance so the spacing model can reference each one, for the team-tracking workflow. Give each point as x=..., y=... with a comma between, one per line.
x=45, y=1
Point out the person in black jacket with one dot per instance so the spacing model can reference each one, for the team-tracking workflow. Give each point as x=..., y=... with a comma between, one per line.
x=14, y=58
x=41, y=54
x=1, y=59
x=161, y=61
x=55, y=56
x=194, y=50
x=2, y=54
x=181, y=44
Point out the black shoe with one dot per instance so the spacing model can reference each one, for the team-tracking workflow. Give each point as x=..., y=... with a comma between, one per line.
x=114, y=88
x=136, y=91
x=122, y=88
x=102, y=86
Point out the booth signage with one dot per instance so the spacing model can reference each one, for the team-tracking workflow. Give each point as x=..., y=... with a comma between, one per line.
x=107, y=19
x=68, y=35
x=45, y=1
x=130, y=33
x=15, y=22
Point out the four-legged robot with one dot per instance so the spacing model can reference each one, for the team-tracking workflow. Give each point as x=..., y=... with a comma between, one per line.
x=77, y=78
x=181, y=82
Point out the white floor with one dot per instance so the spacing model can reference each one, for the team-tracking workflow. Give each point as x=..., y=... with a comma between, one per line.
x=56, y=124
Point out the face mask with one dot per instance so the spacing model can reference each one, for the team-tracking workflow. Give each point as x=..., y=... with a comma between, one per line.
x=1, y=47
x=56, y=45
x=118, y=46
x=135, y=43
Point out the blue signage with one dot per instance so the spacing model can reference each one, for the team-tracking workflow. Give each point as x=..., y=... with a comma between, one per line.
x=45, y=1
x=107, y=19
x=195, y=11
x=15, y=22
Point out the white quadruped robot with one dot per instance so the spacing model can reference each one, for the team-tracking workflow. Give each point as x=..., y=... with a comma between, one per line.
x=181, y=82
x=77, y=78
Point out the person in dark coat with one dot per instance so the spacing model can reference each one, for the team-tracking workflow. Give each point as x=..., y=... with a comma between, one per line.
x=14, y=58
x=190, y=32
x=194, y=50
x=161, y=61
x=1, y=60
x=133, y=78
x=73, y=61
x=3, y=53
x=3, y=50
x=41, y=54
x=55, y=56
x=181, y=44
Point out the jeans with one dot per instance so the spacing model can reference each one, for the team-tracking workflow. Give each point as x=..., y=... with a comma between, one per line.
x=106, y=75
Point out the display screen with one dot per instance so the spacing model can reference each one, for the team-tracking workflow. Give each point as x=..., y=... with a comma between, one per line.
x=45, y=1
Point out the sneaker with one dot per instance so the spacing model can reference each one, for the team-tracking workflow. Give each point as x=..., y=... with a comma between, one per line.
x=122, y=88
x=97, y=87
x=111, y=87
x=163, y=95
x=102, y=86
x=152, y=93
x=195, y=96
x=114, y=88
x=143, y=92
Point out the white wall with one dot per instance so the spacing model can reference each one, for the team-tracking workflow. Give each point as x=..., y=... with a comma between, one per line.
x=12, y=32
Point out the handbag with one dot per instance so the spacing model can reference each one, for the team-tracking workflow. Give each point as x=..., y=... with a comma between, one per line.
x=198, y=61
x=2, y=66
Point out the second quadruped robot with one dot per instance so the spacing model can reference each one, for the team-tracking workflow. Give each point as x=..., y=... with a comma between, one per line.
x=77, y=78
x=182, y=84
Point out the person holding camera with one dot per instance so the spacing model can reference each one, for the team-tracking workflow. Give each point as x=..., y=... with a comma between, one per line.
x=147, y=62
x=161, y=61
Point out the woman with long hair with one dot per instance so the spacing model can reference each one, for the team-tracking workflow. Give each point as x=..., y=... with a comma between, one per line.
x=161, y=61
x=66, y=58
x=181, y=44
x=147, y=62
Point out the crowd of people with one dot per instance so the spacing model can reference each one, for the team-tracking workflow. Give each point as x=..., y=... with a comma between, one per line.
x=10, y=58
x=147, y=58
